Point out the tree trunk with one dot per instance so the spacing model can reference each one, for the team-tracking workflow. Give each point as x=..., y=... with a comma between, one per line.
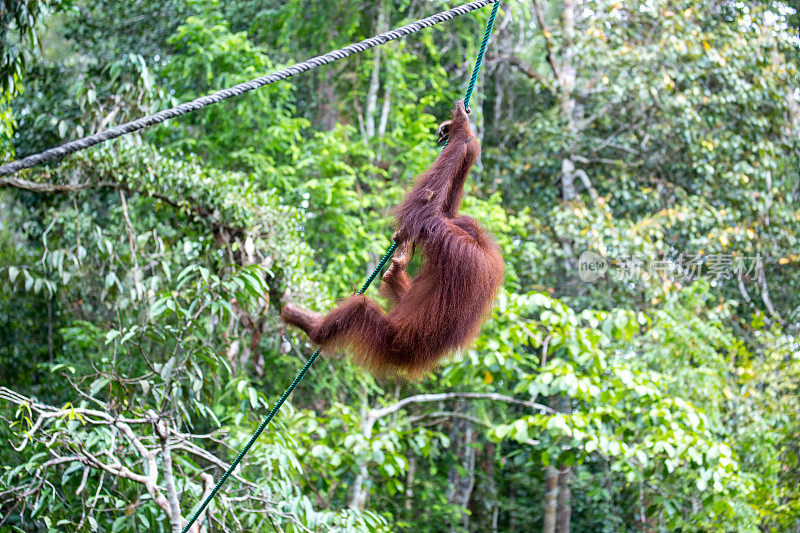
x=568, y=192
x=485, y=507
x=469, y=481
x=460, y=487
x=558, y=504
x=409, y=503
x=557, y=497
x=550, y=500
x=326, y=101
x=359, y=492
x=498, y=101
x=564, y=512
x=387, y=105
x=50, y=330
x=512, y=503
x=567, y=104
x=374, y=80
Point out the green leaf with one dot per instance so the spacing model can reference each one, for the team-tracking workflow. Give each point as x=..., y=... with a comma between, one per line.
x=166, y=370
x=253, y=397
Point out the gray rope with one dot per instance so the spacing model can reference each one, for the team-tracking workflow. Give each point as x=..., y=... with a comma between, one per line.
x=140, y=123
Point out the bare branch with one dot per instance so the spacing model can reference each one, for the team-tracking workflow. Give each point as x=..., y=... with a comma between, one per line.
x=169, y=477
x=587, y=183
x=208, y=486
x=189, y=447
x=115, y=468
x=375, y=414
x=765, y=294
x=82, y=485
x=358, y=493
x=154, y=452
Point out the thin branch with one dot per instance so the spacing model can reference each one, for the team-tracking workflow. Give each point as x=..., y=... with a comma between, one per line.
x=587, y=183
x=375, y=414
x=551, y=56
x=528, y=70
x=134, y=248
x=765, y=294
x=208, y=486
x=115, y=469
x=189, y=447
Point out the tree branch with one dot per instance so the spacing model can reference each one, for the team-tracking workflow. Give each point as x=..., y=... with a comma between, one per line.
x=208, y=486
x=551, y=56
x=200, y=211
x=765, y=294
x=169, y=477
x=375, y=414
x=587, y=183
x=121, y=460
x=449, y=414
x=40, y=187
x=528, y=70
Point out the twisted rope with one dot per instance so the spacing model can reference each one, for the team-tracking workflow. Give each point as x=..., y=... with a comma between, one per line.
x=479, y=60
x=198, y=103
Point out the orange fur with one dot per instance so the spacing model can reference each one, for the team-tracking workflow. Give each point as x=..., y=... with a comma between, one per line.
x=441, y=309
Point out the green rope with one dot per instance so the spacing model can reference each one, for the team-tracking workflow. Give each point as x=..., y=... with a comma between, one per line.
x=479, y=60
x=314, y=356
x=279, y=403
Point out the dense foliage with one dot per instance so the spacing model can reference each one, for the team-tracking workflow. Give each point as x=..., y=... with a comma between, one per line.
x=140, y=281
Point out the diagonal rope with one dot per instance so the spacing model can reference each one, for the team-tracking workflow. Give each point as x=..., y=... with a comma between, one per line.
x=363, y=289
x=198, y=103
x=479, y=60
x=279, y=403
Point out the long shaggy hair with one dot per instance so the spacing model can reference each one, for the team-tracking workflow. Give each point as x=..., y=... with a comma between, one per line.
x=439, y=311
